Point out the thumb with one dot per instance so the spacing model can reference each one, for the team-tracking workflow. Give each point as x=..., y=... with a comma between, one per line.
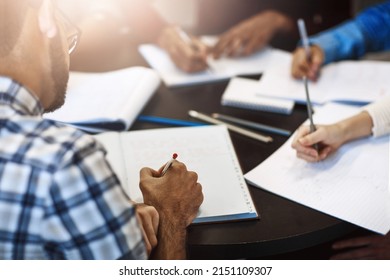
x=149, y=172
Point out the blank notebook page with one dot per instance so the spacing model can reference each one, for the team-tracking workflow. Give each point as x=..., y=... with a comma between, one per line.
x=207, y=151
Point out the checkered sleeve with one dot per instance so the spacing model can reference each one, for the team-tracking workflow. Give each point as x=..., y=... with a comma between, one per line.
x=88, y=215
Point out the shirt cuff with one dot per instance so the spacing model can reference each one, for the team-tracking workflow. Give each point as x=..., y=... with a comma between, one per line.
x=380, y=114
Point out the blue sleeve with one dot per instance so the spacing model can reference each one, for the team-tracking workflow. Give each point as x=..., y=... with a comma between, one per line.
x=368, y=32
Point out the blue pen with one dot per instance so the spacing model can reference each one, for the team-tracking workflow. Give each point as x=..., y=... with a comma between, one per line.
x=167, y=121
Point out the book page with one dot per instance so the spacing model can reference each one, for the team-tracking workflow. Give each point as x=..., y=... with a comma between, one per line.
x=220, y=69
x=351, y=185
x=106, y=97
x=206, y=150
x=111, y=142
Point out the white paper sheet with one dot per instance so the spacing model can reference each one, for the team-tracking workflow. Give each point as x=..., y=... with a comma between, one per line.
x=351, y=185
x=347, y=81
x=220, y=69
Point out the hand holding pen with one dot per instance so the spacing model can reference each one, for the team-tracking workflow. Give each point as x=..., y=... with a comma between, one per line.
x=304, y=66
x=305, y=42
x=168, y=164
x=307, y=60
x=330, y=137
x=189, y=53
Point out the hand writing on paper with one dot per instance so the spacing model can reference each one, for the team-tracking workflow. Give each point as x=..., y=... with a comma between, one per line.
x=177, y=197
x=302, y=67
x=188, y=56
x=330, y=138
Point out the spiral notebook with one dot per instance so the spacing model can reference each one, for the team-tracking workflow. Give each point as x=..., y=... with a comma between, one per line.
x=206, y=150
x=243, y=93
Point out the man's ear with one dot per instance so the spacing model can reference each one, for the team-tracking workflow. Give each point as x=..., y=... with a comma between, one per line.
x=47, y=22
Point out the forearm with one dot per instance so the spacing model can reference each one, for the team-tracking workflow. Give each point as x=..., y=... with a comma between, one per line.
x=355, y=127
x=368, y=32
x=171, y=242
x=342, y=42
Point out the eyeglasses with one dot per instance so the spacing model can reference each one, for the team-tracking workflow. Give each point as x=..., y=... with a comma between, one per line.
x=72, y=31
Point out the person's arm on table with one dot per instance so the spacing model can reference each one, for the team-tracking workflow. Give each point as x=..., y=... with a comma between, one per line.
x=252, y=34
x=330, y=137
x=368, y=32
x=177, y=196
x=365, y=247
x=190, y=56
x=373, y=120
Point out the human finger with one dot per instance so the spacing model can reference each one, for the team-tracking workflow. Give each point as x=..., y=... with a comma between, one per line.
x=300, y=64
x=362, y=253
x=354, y=242
x=224, y=41
x=148, y=172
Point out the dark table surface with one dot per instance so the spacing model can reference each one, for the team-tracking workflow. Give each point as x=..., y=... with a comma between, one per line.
x=284, y=226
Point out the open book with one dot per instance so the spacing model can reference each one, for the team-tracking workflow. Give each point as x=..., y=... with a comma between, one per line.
x=221, y=69
x=98, y=102
x=358, y=82
x=351, y=184
x=206, y=150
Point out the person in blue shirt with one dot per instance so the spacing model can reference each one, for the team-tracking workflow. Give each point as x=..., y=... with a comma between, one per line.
x=368, y=32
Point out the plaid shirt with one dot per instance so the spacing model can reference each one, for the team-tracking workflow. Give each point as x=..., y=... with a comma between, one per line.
x=59, y=198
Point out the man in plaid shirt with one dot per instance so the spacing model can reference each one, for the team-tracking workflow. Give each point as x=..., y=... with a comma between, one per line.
x=59, y=198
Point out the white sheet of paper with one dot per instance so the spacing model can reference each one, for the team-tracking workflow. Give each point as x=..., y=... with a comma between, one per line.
x=347, y=81
x=207, y=150
x=351, y=185
x=221, y=69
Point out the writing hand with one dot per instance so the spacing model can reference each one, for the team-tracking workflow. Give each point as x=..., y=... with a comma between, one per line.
x=188, y=56
x=301, y=66
x=177, y=195
x=329, y=137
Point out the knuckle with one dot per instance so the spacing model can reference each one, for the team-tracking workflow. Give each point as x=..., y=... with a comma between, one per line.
x=193, y=176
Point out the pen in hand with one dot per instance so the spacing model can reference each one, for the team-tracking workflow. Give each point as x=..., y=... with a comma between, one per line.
x=305, y=43
x=168, y=164
x=188, y=41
